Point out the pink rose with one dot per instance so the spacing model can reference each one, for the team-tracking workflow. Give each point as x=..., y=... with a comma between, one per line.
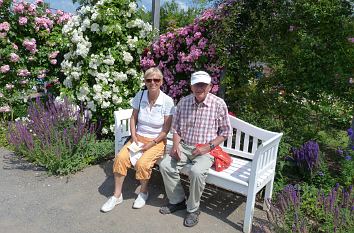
x=23, y=73
x=14, y=46
x=4, y=69
x=22, y=20
x=5, y=109
x=53, y=55
x=14, y=57
x=5, y=26
x=19, y=8
x=23, y=82
x=53, y=61
x=9, y=86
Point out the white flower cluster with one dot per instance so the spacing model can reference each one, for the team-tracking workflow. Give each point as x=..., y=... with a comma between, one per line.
x=102, y=66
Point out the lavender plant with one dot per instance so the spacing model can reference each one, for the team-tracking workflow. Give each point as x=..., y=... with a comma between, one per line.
x=290, y=211
x=307, y=156
x=57, y=136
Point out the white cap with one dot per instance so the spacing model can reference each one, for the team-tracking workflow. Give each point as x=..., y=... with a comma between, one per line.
x=200, y=77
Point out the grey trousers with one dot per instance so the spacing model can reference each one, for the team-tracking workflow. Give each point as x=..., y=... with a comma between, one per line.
x=197, y=168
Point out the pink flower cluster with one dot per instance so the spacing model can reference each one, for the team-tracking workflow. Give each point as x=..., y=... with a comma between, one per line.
x=5, y=26
x=30, y=45
x=42, y=74
x=4, y=69
x=23, y=73
x=44, y=23
x=184, y=51
x=22, y=21
x=14, y=57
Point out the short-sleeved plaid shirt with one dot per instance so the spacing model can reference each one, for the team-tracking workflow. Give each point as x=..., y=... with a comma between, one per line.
x=203, y=122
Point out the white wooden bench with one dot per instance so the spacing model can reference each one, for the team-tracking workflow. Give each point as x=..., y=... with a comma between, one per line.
x=254, y=154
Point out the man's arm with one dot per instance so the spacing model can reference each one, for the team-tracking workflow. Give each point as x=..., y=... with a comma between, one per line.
x=206, y=148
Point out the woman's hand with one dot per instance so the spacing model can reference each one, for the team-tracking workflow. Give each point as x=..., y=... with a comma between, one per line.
x=147, y=146
x=135, y=139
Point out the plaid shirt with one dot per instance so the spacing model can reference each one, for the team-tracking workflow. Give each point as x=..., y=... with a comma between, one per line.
x=201, y=123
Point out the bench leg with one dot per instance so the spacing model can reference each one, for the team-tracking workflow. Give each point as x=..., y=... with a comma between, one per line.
x=268, y=193
x=251, y=199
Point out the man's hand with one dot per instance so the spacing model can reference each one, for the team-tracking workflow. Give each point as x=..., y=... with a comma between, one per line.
x=175, y=152
x=201, y=150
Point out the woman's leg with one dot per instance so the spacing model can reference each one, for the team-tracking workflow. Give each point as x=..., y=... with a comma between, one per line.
x=118, y=183
x=120, y=168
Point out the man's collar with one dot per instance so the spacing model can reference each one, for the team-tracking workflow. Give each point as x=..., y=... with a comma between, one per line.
x=206, y=101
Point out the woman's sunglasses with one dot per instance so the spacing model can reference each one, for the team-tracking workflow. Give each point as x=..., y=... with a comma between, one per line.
x=155, y=80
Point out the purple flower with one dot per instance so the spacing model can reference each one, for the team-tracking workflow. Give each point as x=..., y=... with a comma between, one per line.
x=351, y=39
x=350, y=131
x=348, y=157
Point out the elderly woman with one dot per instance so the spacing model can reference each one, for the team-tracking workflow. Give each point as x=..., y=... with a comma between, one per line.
x=149, y=124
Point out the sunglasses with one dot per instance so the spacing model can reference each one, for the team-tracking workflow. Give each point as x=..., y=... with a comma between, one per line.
x=155, y=80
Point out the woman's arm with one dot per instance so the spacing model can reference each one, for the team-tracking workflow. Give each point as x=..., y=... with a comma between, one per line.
x=133, y=122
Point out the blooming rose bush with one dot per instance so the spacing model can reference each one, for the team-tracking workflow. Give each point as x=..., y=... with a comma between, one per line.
x=181, y=52
x=30, y=50
x=102, y=66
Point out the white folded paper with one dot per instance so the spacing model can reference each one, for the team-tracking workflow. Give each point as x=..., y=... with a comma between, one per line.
x=135, y=147
x=135, y=152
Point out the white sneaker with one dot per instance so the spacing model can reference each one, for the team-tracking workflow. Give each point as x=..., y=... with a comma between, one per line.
x=111, y=203
x=140, y=200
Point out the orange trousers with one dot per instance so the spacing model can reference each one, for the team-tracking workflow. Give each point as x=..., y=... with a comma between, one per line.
x=145, y=163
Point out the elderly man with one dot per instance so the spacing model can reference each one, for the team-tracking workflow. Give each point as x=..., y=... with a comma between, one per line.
x=201, y=118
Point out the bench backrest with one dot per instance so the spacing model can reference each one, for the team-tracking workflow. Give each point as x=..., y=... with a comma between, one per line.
x=244, y=142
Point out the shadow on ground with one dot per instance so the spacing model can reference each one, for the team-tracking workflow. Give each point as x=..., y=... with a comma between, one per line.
x=216, y=202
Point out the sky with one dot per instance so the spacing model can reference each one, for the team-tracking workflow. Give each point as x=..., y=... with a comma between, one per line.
x=68, y=6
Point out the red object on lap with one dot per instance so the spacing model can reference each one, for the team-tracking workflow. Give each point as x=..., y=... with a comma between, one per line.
x=222, y=160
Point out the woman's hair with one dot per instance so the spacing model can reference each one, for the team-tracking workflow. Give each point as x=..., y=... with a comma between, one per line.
x=153, y=70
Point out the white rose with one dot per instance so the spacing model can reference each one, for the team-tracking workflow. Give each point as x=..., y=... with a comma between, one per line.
x=95, y=27
x=105, y=104
x=97, y=88
x=104, y=130
x=127, y=57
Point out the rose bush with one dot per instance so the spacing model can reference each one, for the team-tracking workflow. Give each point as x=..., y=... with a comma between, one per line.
x=30, y=50
x=102, y=66
x=181, y=52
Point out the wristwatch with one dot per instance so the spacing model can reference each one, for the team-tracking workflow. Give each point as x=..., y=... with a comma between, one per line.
x=211, y=145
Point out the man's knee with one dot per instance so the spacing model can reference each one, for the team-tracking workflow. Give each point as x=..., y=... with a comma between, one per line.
x=166, y=164
x=196, y=172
